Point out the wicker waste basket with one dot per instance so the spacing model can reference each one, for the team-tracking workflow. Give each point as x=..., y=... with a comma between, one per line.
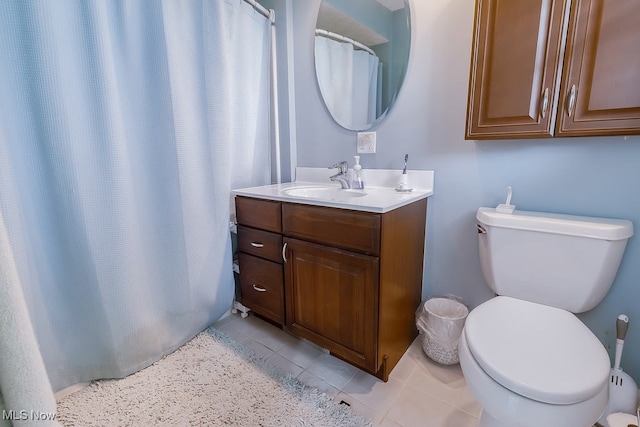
x=440, y=322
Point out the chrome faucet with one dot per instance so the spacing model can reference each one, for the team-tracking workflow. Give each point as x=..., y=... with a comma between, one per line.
x=341, y=176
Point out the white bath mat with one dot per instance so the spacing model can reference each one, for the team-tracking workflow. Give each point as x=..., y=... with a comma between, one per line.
x=210, y=381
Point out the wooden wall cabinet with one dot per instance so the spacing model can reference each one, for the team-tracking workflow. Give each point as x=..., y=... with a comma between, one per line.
x=352, y=279
x=601, y=77
x=543, y=68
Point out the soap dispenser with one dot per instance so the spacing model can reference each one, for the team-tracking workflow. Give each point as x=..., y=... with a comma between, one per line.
x=357, y=182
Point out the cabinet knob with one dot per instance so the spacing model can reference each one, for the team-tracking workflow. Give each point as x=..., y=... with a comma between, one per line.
x=572, y=101
x=545, y=102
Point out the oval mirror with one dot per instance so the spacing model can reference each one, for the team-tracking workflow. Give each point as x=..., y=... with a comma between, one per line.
x=361, y=55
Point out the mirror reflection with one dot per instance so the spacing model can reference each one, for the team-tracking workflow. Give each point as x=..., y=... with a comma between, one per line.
x=361, y=55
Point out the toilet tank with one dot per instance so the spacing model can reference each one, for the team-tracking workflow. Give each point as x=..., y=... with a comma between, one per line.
x=558, y=260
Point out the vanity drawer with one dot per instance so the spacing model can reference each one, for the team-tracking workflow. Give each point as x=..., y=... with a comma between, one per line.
x=347, y=229
x=262, y=286
x=259, y=213
x=260, y=243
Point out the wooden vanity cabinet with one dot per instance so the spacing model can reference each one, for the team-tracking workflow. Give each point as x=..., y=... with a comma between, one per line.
x=349, y=281
x=541, y=68
x=353, y=280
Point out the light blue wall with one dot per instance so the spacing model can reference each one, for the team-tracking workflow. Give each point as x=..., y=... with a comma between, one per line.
x=587, y=176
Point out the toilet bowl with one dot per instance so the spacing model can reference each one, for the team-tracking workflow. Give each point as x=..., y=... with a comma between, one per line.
x=531, y=365
x=528, y=360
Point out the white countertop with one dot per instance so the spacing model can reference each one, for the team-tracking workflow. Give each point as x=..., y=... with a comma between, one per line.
x=379, y=193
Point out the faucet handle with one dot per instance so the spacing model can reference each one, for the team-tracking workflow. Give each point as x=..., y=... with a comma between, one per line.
x=343, y=165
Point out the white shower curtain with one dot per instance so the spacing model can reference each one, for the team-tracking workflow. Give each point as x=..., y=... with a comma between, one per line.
x=123, y=127
x=348, y=80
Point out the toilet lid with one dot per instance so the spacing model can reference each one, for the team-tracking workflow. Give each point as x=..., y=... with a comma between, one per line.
x=540, y=352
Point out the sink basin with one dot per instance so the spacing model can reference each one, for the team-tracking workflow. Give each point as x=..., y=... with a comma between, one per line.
x=324, y=193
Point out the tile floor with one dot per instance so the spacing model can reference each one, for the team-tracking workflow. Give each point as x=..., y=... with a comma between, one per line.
x=419, y=392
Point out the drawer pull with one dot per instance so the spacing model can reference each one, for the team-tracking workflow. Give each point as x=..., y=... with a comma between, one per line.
x=284, y=252
x=259, y=289
x=257, y=245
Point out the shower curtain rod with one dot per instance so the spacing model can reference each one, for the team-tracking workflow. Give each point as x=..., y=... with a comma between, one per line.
x=342, y=38
x=263, y=10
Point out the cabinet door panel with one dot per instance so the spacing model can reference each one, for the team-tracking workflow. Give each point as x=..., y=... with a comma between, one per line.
x=602, y=67
x=332, y=300
x=514, y=68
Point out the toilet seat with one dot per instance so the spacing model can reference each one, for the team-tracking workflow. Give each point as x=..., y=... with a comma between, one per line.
x=540, y=352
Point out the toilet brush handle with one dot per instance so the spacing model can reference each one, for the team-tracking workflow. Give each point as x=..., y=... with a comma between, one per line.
x=622, y=324
x=618, y=357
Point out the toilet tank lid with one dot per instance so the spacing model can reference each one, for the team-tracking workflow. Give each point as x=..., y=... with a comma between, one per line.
x=584, y=226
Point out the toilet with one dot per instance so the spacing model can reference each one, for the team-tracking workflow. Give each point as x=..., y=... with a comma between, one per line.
x=527, y=359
